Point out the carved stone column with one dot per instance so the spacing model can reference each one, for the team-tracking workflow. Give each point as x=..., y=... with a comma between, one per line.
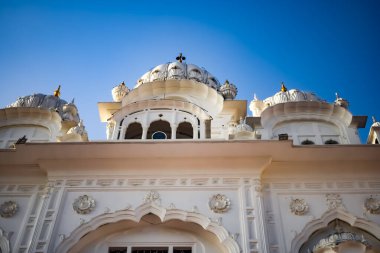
x=260, y=217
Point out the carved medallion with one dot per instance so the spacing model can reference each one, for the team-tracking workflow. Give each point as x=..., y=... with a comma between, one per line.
x=372, y=205
x=219, y=203
x=8, y=209
x=334, y=201
x=84, y=204
x=299, y=206
x=152, y=197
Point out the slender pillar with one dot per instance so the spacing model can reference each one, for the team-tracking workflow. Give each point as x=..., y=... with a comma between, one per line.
x=202, y=129
x=195, y=131
x=174, y=131
x=144, y=132
x=260, y=217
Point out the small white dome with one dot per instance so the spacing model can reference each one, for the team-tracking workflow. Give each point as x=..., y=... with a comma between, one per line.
x=292, y=95
x=119, y=91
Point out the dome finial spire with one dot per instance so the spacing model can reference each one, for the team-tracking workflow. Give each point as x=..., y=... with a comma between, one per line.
x=283, y=88
x=373, y=119
x=57, y=92
x=180, y=57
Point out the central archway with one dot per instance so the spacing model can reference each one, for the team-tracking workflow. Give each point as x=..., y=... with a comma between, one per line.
x=110, y=229
x=315, y=227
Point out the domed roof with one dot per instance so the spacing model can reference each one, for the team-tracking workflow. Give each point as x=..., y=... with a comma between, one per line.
x=179, y=70
x=67, y=111
x=39, y=101
x=292, y=95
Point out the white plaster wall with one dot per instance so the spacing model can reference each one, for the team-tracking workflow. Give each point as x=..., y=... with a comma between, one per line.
x=9, y=135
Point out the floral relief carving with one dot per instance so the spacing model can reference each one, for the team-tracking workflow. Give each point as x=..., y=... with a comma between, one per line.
x=8, y=209
x=152, y=196
x=299, y=206
x=372, y=205
x=84, y=204
x=334, y=201
x=219, y=203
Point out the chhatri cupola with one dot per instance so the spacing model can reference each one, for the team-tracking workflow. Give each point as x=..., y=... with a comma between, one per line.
x=175, y=100
x=41, y=118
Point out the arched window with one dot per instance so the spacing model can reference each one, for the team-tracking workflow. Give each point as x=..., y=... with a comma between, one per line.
x=134, y=131
x=159, y=126
x=307, y=142
x=331, y=141
x=184, y=131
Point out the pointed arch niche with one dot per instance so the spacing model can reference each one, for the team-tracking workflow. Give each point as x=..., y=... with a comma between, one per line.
x=184, y=131
x=149, y=225
x=326, y=225
x=134, y=131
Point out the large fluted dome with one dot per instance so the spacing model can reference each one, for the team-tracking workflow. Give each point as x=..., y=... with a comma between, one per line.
x=179, y=70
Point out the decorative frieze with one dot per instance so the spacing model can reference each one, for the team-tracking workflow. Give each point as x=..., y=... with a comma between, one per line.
x=84, y=204
x=298, y=206
x=219, y=203
x=8, y=209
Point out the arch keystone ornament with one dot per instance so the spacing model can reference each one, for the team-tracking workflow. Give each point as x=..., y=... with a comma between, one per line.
x=298, y=206
x=221, y=234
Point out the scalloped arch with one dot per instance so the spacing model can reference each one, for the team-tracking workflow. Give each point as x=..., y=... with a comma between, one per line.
x=4, y=243
x=325, y=219
x=164, y=214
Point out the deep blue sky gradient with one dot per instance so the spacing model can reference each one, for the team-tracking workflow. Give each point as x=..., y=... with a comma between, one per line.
x=88, y=47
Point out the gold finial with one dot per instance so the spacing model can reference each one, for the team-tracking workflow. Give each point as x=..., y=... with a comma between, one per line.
x=373, y=119
x=180, y=57
x=283, y=88
x=57, y=92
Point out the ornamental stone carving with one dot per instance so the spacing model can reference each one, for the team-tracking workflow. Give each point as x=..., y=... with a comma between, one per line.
x=299, y=206
x=334, y=201
x=219, y=203
x=84, y=204
x=152, y=197
x=8, y=209
x=372, y=205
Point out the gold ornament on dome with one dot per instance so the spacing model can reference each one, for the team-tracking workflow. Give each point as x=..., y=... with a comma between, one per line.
x=299, y=206
x=84, y=204
x=219, y=203
x=57, y=92
x=372, y=205
x=8, y=209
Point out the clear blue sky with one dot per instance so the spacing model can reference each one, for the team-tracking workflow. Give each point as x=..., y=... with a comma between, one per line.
x=88, y=47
